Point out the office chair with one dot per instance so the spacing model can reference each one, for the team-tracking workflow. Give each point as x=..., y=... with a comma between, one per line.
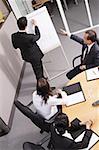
x=38, y=3
x=32, y=146
x=37, y=119
x=73, y=62
x=79, y=56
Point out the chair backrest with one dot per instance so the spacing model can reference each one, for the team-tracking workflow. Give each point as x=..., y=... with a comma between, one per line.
x=38, y=120
x=79, y=56
x=32, y=146
x=38, y=3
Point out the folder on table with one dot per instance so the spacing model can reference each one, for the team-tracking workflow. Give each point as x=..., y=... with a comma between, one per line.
x=92, y=73
x=74, y=94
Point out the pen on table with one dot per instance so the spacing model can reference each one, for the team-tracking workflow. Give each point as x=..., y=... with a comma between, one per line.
x=94, y=72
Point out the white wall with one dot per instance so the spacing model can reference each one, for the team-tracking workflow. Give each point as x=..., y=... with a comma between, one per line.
x=10, y=68
x=15, y=8
x=21, y=7
x=29, y=5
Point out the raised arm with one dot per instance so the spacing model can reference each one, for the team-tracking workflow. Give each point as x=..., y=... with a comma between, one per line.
x=37, y=34
x=72, y=36
x=77, y=39
x=35, y=37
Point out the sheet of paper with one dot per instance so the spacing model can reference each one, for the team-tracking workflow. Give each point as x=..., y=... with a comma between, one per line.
x=94, y=139
x=49, y=39
x=80, y=137
x=75, y=98
x=92, y=73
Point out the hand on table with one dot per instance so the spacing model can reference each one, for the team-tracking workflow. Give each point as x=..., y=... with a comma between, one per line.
x=87, y=123
x=83, y=67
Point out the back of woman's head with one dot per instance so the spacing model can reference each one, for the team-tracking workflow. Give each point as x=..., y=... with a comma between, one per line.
x=62, y=123
x=43, y=89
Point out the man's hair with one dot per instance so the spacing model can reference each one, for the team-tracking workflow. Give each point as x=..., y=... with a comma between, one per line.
x=62, y=123
x=22, y=23
x=91, y=35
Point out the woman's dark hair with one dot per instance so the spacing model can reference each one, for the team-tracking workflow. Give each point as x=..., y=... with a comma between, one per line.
x=91, y=35
x=22, y=23
x=43, y=89
x=62, y=123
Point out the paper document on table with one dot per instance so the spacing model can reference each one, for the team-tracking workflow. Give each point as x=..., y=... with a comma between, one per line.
x=92, y=74
x=80, y=137
x=94, y=139
x=74, y=94
x=75, y=98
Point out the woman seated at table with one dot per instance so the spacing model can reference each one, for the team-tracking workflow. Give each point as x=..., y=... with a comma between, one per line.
x=45, y=101
x=62, y=133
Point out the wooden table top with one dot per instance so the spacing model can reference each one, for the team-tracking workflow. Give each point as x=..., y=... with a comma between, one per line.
x=85, y=111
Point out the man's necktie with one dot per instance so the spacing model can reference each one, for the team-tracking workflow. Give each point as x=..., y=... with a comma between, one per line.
x=85, y=53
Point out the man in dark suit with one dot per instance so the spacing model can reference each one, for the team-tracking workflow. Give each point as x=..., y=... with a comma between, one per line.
x=63, y=134
x=30, y=51
x=90, y=52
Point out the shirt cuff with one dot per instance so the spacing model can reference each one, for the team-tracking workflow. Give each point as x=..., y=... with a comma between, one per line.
x=69, y=34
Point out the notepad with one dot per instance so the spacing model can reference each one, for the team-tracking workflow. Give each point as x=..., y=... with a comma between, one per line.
x=92, y=74
x=74, y=94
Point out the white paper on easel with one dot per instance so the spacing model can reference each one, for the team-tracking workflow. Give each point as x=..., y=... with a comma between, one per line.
x=49, y=39
x=92, y=73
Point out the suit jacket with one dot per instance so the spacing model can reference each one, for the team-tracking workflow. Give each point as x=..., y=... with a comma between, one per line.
x=27, y=44
x=64, y=143
x=92, y=58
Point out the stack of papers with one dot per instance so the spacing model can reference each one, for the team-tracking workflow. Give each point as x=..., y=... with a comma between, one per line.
x=92, y=73
x=75, y=98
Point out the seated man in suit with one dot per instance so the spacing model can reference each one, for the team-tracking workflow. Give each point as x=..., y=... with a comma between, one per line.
x=27, y=43
x=90, y=52
x=62, y=137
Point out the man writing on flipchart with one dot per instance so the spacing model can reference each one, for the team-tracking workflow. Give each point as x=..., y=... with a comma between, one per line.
x=27, y=43
x=90, y=52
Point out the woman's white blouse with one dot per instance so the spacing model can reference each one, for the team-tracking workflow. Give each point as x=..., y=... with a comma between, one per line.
x=49, y=109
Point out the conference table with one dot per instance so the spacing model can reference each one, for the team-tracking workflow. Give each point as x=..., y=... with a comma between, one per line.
x=85, y=111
